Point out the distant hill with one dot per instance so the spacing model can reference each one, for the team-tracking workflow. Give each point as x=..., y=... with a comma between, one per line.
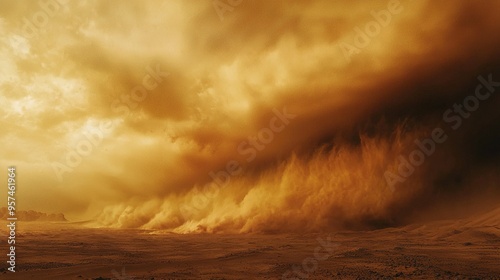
x=31, y=215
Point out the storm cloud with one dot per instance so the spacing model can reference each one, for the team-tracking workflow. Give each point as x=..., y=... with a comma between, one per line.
x=162, y=114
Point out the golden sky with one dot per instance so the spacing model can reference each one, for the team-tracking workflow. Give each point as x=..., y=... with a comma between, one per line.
x=118, y=111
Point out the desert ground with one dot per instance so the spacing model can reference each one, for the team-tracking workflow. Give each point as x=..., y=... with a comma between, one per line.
x=450, y=249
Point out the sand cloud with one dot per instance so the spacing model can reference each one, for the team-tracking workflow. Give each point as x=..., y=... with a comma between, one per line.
x=68, y=68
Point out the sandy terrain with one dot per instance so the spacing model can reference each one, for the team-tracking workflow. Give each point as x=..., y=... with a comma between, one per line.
x=461, y=249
